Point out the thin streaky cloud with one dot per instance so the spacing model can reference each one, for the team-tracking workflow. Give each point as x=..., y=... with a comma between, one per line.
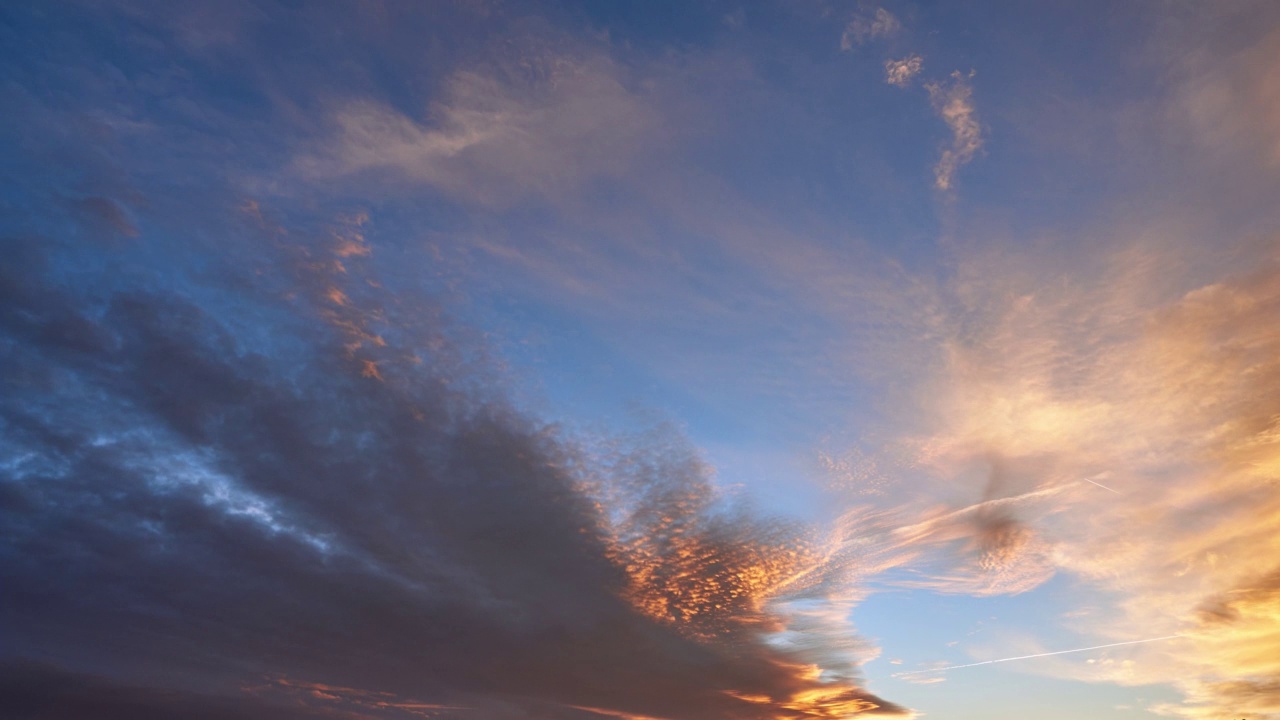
x=1037, y=655
x=1104, y=487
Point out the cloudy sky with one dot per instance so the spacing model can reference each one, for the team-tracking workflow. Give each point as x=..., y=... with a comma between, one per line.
x=566, y=360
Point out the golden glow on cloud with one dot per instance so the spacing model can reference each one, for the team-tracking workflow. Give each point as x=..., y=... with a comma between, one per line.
x=716, y=575
x=829, y=701
x=1133, y=445
x=705, y=588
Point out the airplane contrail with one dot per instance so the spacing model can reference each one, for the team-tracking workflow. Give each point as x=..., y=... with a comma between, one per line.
x=1104, y=487
x=1027, y=657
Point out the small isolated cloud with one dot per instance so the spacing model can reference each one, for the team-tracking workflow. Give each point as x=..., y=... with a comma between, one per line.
x=954, y=102
x=901, y=72
x=869, y=27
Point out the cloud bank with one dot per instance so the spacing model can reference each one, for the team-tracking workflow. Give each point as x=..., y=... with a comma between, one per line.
x=289, y=479
x=901, y=72
x=538, y=128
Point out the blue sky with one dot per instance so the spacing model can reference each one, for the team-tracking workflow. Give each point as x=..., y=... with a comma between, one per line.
x=640, y=360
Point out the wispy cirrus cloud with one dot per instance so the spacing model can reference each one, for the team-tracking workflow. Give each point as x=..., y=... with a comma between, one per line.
x=867, y=26
x=500, y=134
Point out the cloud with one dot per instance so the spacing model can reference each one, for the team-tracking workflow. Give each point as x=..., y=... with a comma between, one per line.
x=1050, y=378
x=540, y=128
x=902, y=72
x=953, y=101
x=865, y=27
x=228, y=493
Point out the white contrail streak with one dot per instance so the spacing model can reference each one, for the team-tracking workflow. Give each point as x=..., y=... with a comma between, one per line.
x=1027, y=657
x=1104, y=487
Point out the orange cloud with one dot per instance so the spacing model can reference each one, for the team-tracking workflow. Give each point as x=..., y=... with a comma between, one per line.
x=723, y=577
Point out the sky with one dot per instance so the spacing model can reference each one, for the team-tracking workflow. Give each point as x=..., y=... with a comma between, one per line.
x=662, y=360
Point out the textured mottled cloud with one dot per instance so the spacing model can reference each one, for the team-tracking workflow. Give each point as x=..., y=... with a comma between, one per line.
x=901, y=72
x=869, y=26
x=953, y=101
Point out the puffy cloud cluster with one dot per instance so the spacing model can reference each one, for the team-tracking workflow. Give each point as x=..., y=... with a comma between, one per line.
x=902, y=71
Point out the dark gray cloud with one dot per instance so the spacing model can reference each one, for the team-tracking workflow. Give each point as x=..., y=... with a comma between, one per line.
x=220, y=493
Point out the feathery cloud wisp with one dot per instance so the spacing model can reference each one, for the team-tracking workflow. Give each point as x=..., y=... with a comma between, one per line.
x=953, y=101
x=497, y=138
x=864, y=28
